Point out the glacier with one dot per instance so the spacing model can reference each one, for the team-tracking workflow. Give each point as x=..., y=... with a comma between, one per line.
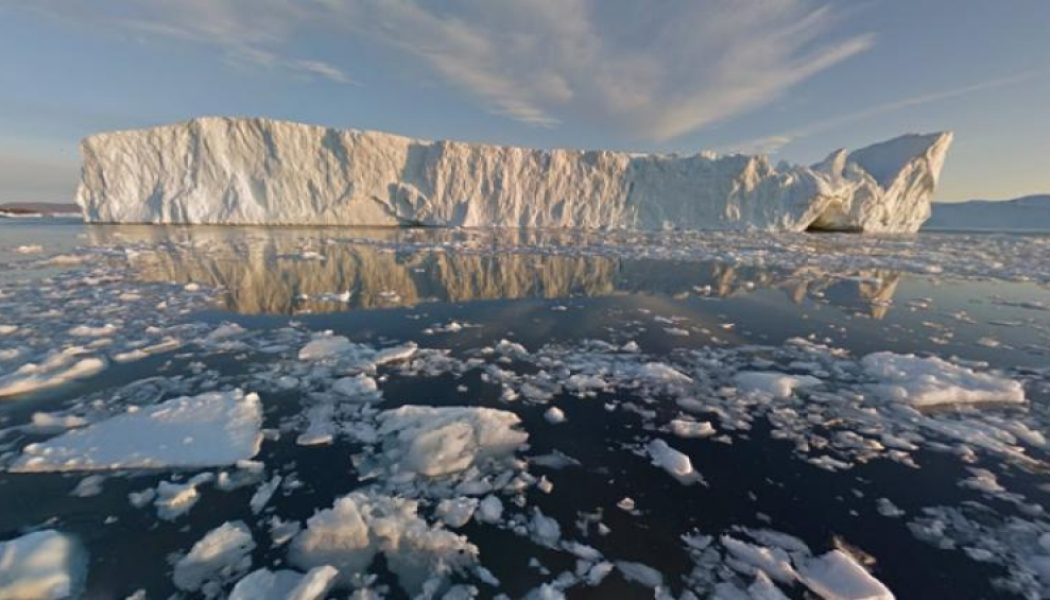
x=256, y=171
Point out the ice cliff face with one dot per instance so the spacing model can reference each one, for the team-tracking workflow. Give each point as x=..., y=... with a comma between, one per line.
x=260, y=171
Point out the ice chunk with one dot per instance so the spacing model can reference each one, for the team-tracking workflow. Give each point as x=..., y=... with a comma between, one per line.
x=220, y=556
x=925, y=382
x=174, y=500
x=554, y=415
x=262, y=495
x=456, y=512
x=640, y=573
x=774, y=562
x=674, y=462
x=360, y=388
x=544, y=529
x=57, y=369
x=490, y=510
x=692, y=429
x=326, y=347
x=42, y=565
x=777, y=385
x=837, y=576
x=361, y=525
x=265, y=584
x=210, y=429
x=437, y=441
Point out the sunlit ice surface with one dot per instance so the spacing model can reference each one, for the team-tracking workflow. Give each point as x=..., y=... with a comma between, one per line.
x=437, y=412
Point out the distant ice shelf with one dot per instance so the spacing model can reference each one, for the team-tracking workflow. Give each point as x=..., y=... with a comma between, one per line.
x=251, y=171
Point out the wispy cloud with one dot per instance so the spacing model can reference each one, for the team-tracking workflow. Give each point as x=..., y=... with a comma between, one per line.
x=650, y=71
x=774, y=143
x=656, y=73
x=248, y=32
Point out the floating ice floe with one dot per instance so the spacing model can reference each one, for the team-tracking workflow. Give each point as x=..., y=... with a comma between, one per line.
x=837, y=576
x=676, y=463
x=361, y=525
x=440, y=441
x=774, y=560
x=42, y=565
x=210, y=429
x=176, y=499
x=221, y=556
x=776, y=385
x=265, y=584
x=327, y=347
x=926, y=382
x=59, y=368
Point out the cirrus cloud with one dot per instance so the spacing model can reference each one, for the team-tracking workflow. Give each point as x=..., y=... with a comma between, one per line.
x=650, y=71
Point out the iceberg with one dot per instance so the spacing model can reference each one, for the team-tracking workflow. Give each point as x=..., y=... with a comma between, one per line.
x=254, y=171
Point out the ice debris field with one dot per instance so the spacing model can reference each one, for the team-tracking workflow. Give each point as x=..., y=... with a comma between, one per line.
x=313, y=413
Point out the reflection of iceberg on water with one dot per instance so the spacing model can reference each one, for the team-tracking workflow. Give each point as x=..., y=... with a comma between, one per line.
x=286, y=270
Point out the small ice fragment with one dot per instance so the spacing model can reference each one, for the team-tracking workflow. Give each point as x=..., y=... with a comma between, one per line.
x=262, y=495
x=674, y=462
x=42, y=565
x=779, y=386
x=554, y=415
x=640, y=573
x=221, y=555
x=89, y=486
x=456, y=512
x=692, y=429
x=264, y=584
x=836, y=575
x=490, y=510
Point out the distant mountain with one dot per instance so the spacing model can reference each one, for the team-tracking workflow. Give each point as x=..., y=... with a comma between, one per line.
x=1031, y=213
x=37, y=208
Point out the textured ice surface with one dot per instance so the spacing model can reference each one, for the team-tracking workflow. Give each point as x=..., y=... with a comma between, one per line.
x=676, y=463
x=434, y=442
x=932, y=381
x=265, y=584
x=259, y=171
x=359, y=526
x=220, y=556
x=210, y=429
x=41, y=565
x=837, y=576
x=60, y=367
x=776, y=385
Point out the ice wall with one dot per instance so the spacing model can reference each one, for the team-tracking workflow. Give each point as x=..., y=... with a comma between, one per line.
x=258, y=171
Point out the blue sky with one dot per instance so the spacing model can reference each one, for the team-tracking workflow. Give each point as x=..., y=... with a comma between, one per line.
x=794, y=78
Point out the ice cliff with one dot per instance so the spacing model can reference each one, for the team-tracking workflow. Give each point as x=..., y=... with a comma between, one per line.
x=259, y=171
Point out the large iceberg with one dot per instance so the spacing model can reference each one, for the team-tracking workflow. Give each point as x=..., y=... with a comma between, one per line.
x=260, y=171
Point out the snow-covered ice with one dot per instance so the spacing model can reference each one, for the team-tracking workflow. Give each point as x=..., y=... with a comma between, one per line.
x=925, y=382
x=265, y=584
x=359, y=526
x=837, y=576
x=434, y=442
x=42, y=565
x=220, y=556
x=210, y=429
